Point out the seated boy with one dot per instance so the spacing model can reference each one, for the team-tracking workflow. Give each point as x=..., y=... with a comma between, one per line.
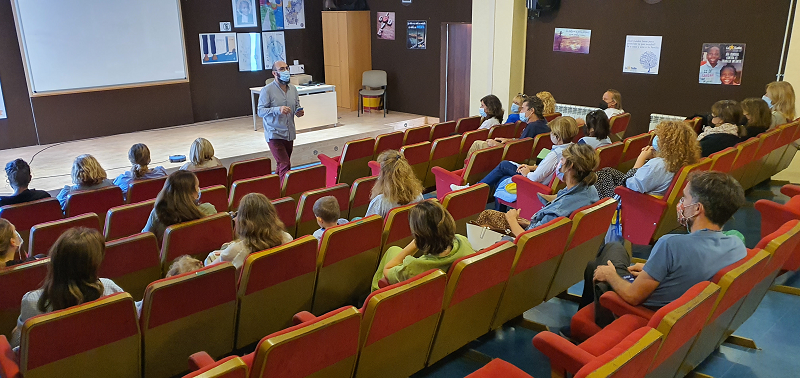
x=326, y=209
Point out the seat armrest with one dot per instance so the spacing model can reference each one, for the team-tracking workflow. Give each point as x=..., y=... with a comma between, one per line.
x=302, y=317
x=774, y=215
x=614, y=303
x=527, y=199
x=200, y=360
x=640, y=215
x=9, y=361
x=563, y=354
x=443, y=180
x=791, y=190
x=375, y=167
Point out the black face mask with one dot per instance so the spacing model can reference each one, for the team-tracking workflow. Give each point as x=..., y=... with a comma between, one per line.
x=603, y=105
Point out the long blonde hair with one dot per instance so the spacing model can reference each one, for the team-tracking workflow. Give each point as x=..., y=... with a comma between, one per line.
x=201, y=151
x=257, y=223
x=781, y=93
x=677, y=144
x=397, y=181
x=549, y=102
x=139, y=156
x=87, y=171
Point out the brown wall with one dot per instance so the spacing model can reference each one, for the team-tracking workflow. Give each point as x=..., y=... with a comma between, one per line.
x=684, y=24
x=413, y=75
x=17, y=129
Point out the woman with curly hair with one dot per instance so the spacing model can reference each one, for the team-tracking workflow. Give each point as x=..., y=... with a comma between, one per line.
x=396, y=185
x=87, y=174
x=674, y=146
x=549, y=102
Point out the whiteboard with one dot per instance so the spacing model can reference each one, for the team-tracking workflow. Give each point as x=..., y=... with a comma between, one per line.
x=72, y=45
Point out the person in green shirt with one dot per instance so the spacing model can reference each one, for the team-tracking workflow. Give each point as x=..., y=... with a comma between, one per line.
x=435, y=245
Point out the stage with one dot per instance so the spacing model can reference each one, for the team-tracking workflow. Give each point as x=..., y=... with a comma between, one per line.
x=233, y=139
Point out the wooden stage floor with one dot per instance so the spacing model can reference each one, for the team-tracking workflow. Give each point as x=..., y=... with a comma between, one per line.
x=233, y=139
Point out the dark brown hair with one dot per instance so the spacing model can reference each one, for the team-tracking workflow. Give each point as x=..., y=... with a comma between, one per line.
x=176, y=201
x=494, y=108
x=728, y=110
x=139, y=156
x=760, y=115
x=597, y=125
x=536, y=104
x=432, y=226
x=19, y=173
x=720, y=194
x=72, y=272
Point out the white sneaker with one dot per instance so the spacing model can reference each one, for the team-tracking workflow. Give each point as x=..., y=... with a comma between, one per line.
x=455, y=187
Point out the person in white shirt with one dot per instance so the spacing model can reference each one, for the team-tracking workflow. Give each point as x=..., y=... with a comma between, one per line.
x=613, y=103
x=491, y=111
x=710, y=70
x=201, y=156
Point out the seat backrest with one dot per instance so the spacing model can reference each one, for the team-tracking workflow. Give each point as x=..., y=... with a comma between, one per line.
x=396, y=229
x=610, y=155
x=696, y=124
x=518, y=151
x=250, y=168
x=44, y=235
x=16, y=281
x=132, y=263
x=327, y=343
x=466, y=142
x=418, y=156
x=195, y=238
x=780, y=244
x=590, y=221
x=551, y=116
x=306, y=220
x=746, y=152
x=96, y=201
x=299, y=181
x=578, y=136
x=145, y=190
x=633, y=147
x=187, y=313
x=481, y=163
x=279, y=282
x=228, y=367
x=400, y=320
x=355, y=156
x=347, y=259
x=619, y=123
x=466, y=204
x=505, y=130
x=630, y=358
x=373, y=78
x=286, y=208
x=59, y=343
x=212, y=176
x=419, y=134
x=360, y=194
x=468, y=124
x=216, y=195
x=444, y=154
x=787, y=134
x=540, y=142
x=126, y=220
x=442, y=130
x=390, y=141
x=736, y=280
x=269, y=185
x=722, y=161
x=767, y=142
x=26, y=215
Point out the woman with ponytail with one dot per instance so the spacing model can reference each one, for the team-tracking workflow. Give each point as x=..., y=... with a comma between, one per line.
x=139, y=156
x=396, y=185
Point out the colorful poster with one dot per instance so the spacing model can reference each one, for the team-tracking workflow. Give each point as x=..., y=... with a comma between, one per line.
x=271, y=14
x=3, y=114
x=386, y=25
x=274, y=48
x=218, y=48
x=642, y=54
x=722, y=63
x=249, y=49
x=244, y=14
x=294, y=14
x=572, y=40
x=417, y=34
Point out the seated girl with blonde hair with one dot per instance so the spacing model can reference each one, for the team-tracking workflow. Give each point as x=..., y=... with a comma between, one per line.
x=87, y=174
x=396, y=185
x=201, y=156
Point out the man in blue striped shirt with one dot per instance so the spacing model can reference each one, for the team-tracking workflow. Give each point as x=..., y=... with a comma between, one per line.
x=278, y=103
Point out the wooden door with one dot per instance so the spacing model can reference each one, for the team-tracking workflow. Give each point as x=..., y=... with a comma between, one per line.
x=455, y=70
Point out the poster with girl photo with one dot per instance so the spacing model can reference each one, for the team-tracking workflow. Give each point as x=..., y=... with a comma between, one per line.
x=244, y=14
x=722, y=63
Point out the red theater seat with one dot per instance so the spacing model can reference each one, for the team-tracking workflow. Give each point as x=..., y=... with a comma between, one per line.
x=466, y=142
x=352, y=164
x=480, y=164
x=212, y=176
x=396, y=230
x=619, y=124
x=722, y=161
x=228, y=367
x=414, y=135
x=442, y=130
x=269, y=185
x=506, y=130
x=44, y=235
x=145, y=190
x=418, y=156
x=444, y=154
x=306, y=220
x=26, y=215
x=633, y=147
x=286, y=208
x=390, y=141
x=518, y=151
x=245, y=169
x=466, y=204
x=196, y=238
x=360, y=194
x=127, y=220
x=299, y=181
x=468, y=124
x=216, y=195
x=96, y=201
x=16, y=281
x=774, y=215
x=499, y=368
x=610, y=155
x=132, y=263
x=541, y=142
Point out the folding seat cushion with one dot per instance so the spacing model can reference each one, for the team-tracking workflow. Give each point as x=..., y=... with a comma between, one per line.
x=352, y=164
x=589, y=227
x=418, y=156
x=619, y=124
x=360, y=194
x=196, y=238
x=538, y=253
x=466, y=204
x=212, y=176
x=132, y=263
x=518, y=151
x=268, y=185
x=326, y=346
x=400, y=320
x=444, y=154
x=287, y=213
x=145, y=190
x=474, y=287
x=396, y=229
x=96, y=201
x=633, y=147
x=480, y=164
x=186, y=313
x=442, y=130
x=414, y=135
x=216, y=195
x=245, y=169
x=26, y=215
x=506, y=130
x=468, y=124
x=72, y=343
x=498, y=368
x=127, y=220
x=541, y=142
x=44, y=235
x=299, y=181
x=790, y=190
x=630, y=358
x=610, y=155
x=390, y=141
x=278, y=282
x=16, y=281
x=347, y=259
x=722, y=161
x=466, y=142
x=228, y=367
x=306, y=220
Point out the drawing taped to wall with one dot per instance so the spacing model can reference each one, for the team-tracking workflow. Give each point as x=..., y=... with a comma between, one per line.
x=271, y=14
x=249, y=48
x=244, y=14
x=294, y=14
x=274, y=48
x=218, y=48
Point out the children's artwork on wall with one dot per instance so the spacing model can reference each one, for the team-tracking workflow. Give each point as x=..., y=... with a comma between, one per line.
x=244, y=14
x=249, y=48
x=3, y=114
x=271, y=14
x=722, y=63
x=386, y=25
x=417, y=35
x=218, y=48
x=294, y=14
x=274, y=48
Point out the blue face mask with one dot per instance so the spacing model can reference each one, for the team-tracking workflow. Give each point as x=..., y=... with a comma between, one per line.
x=284, y=76
x=767, y=100
x=514, y=108
x=523, y=117
x=655, y=143
x=559, y=174
x=482, y=112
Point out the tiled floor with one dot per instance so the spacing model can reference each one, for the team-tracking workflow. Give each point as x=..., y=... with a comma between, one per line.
x=775, y=326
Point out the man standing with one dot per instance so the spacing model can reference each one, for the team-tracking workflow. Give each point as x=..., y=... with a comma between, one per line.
x=710, y=70
x=277, y=105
